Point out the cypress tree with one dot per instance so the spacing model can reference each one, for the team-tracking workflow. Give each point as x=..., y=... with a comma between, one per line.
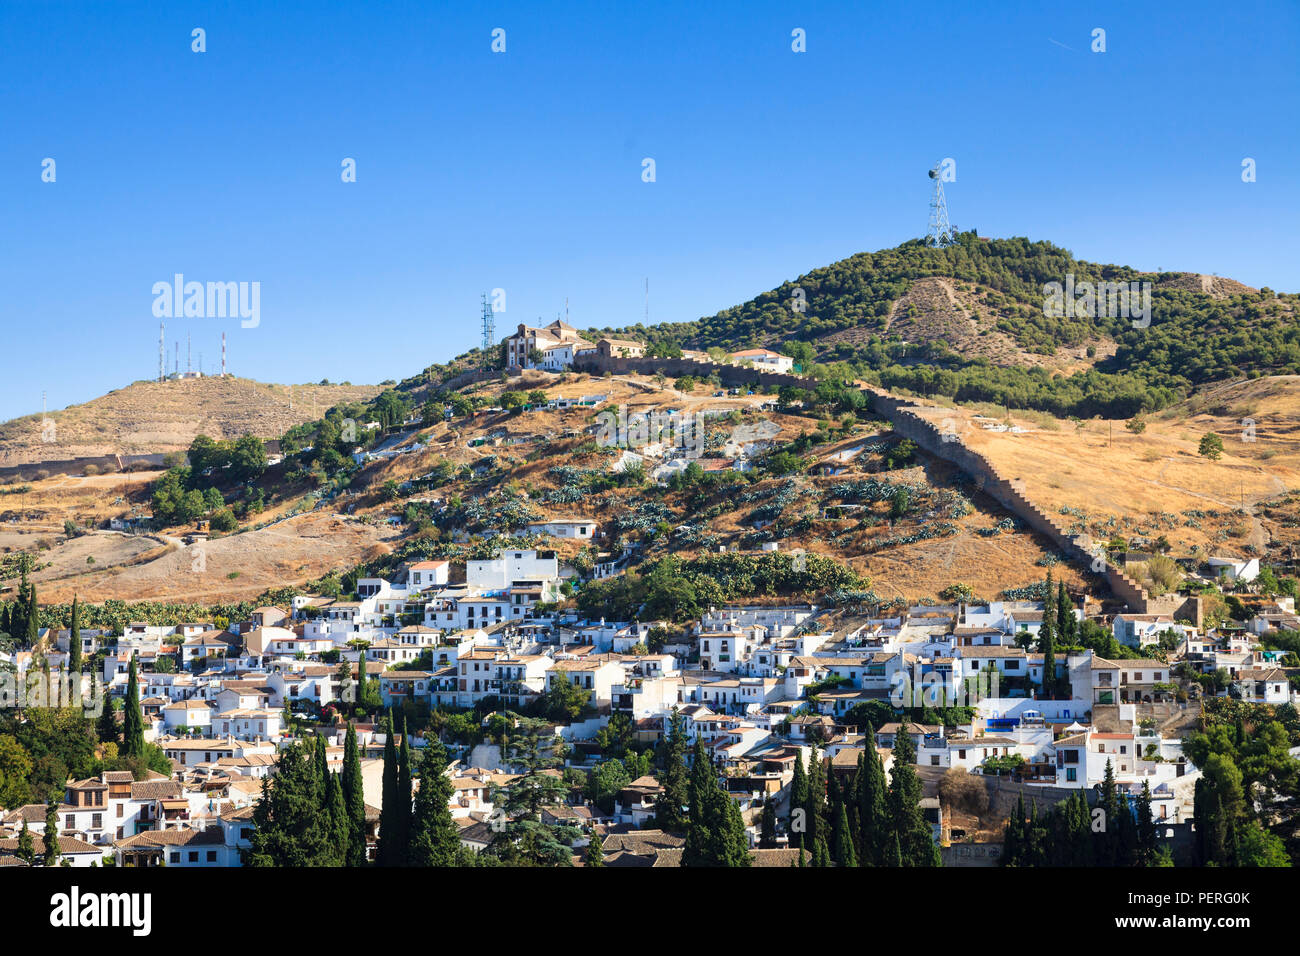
x=1013, y=841
x=354, y=799
x=389, y=827
x=132, y=716
x=668, y=810
x=33, y=628
x=915, y=837
x=815, y=806
x=871, y=787
x=767, y=828
x=320, y=765
x=339, y=827
x=106, y=724
x=844, y=853
x=289, y=828
x=50, y=841
x=74, y=639
x=26, y=847
x=1146, y=827
x=715, y=832
x=404, y=797
x=1065, y=622
x=1109, y=802
x=435, y=838
x=595, y=855
x=894, y=854
x=821, y=856
x=798, y=795
x=1126, y=837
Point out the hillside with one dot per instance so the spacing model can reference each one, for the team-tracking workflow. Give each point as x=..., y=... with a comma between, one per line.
x=968, y=322
x=152, y=417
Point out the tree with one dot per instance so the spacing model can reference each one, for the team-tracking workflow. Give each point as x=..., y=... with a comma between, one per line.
x=435, y=838
x=870, y=788
x=354, y=799
x=595, y=855
x=1211, y=446
x=1146, y=829
x=132, y=716
x=564, y=700
x=767, y=826
x=916, y=846
x=403, y=815
x=668, y=810
x=26, y=847
x=715, y=833
x=15, y=772
x=842, y=837
x=50, y=840
x=339, y=829
x=290, y=826
x=1047, y=642
x=74, y=638
x=390, y=850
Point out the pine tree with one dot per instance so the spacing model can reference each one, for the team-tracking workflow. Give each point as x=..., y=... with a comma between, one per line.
x=435, y=838
x=26, y=847
x=132, y=716
x=676, y=794
x=50, y=840
x=74, y=639
x=354, y=799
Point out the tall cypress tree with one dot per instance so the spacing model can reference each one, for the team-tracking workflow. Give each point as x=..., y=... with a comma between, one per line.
x=404, y=797
x=1146, y=829
x=354, y=799
x=389, y=827
x=435, y=838
x=1065, y=622
x=668, y=810
x=815, y=806
x=106, y=725
x=50, y=841
x=843, y=839
x=26, y=847
x=74, y=639
x=871, y=788
x=132, y=716
x=915, y=836
x=799, y=797
x=33, y=622
x=338, y=828
x=767, y=826
x=1047, y=641
x=289, y=827
x=595, y=855
x=715, y=832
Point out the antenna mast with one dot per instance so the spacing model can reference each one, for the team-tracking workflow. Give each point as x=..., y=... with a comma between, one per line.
x=941, y=232
x=489, y=332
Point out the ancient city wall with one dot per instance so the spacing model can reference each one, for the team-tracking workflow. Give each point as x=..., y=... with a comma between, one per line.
x=902, y=414
x=730, y=375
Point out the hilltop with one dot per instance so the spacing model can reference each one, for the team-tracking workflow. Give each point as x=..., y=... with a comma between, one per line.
x=154, y=417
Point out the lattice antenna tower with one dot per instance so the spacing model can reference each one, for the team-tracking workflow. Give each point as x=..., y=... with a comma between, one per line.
x=489, y=332
x=941, y=232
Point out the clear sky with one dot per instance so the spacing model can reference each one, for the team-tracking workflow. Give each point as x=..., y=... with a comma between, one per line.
x=522, y=170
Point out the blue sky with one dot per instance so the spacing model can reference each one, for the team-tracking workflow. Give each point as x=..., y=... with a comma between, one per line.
x=522, y=170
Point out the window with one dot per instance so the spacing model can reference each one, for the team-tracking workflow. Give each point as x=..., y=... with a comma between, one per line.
x=175, y=857
x=97, y=821
x=194, y=856
x=934, y=760
x=212, y=856
x=1071, y=774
